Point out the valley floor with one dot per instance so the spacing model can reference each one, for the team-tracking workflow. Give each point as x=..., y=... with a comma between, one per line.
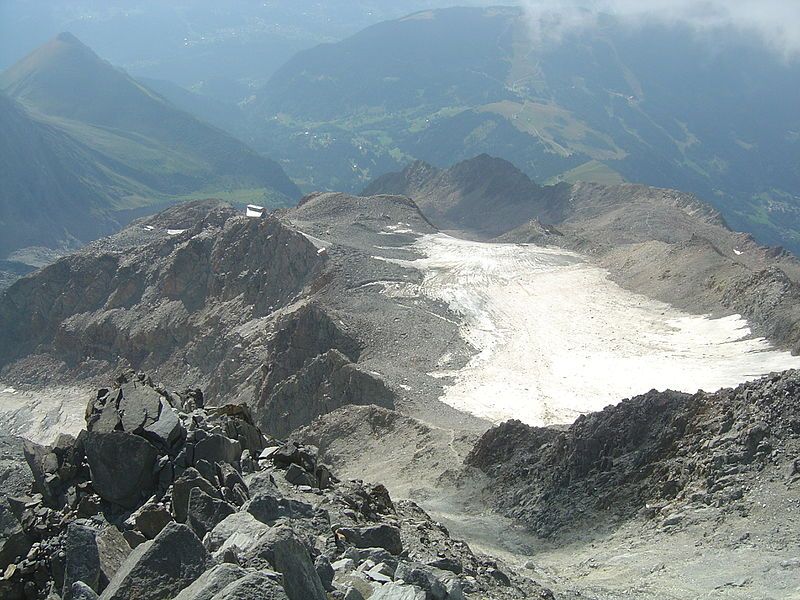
x=555, y=337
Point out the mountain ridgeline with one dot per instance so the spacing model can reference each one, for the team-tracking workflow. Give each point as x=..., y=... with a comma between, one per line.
x=90, y=147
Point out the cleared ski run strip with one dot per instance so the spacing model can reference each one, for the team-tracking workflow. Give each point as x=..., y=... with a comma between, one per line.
x=555, y=337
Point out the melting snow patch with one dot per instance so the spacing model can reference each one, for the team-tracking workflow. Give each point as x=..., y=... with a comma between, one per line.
x=176, y=231
x=399, y=228
x=737, y=252
x=9, y=390
x=555, y=337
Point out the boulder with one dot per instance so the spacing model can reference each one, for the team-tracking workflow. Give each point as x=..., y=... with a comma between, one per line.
x=13, y=540
x=139, y=406
x=189, y=480
x=375, y=536
x=80, y=591
x=218, y=448
x=211, y=582
x=82, y=559
x=112, y=550
x=260, y=585
x=102, y=415
x=43, y=463
x=281, y=547
x=151, y=519
x=168, y=430
x=241, y=529
x=296, y=475
x=205, y=512
x=322, y=565
x=161, y=568
x=422, y=577
x=268, y=506
x=122, y=467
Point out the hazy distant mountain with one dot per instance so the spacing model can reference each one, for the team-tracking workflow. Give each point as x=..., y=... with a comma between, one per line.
x=53, y=187
x=658, y=105
x=219, y=49
x=90, y=144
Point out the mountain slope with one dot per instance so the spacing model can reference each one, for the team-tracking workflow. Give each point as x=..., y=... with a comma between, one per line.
x=146, y=151
x=656, y=105
x=53, y=188
x=484, y=196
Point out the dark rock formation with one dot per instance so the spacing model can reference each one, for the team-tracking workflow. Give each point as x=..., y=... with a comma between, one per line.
x=650, y=455
x=325, y=383
x=127, y=515
x=161, y=568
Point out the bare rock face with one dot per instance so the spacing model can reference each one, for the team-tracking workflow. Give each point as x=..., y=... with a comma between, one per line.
x=153, y=299
x=324, y=384
x=662, y=450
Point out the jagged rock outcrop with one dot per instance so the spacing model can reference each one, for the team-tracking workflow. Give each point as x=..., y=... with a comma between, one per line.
x=182, y=292
x=227, y=520
x=324, y=384
x=654, y=455
x=196, y=293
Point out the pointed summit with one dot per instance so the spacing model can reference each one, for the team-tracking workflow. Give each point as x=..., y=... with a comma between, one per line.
x=63, y=77
x=68, y=38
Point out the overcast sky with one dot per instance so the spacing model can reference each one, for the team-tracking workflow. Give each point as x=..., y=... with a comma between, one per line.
x=775, y=22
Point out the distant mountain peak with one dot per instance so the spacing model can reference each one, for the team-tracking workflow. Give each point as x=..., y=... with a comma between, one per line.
x=68, y=38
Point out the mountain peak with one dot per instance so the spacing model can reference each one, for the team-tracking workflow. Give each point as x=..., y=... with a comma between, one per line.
x=68, y=38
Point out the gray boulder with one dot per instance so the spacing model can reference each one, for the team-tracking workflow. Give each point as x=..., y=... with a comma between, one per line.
x=189, y=480
x=422, y=577
x=376, y=536
x=122, y=467
x=241, y=529
x=151, y=519
x=211, y=582
x=81, y=591
x=82, y=559
x=139, y=406
x=112, y=550
x=281, y=547
x=296, y=475
x=325, y=571
x=204, y=512
x=218, y=448
x=167, y=430
x=268, y=506
x=161, y=568
x=43, y=463
x=255, y=586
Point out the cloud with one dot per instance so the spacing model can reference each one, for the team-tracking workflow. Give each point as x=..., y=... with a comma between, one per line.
x=775, y=22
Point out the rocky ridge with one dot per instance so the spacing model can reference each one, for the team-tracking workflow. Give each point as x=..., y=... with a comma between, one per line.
x=164, y=497
x=664, y=456
x=197, y=293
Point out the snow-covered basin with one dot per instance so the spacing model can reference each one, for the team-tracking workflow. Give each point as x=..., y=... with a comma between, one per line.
x=555, y=337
